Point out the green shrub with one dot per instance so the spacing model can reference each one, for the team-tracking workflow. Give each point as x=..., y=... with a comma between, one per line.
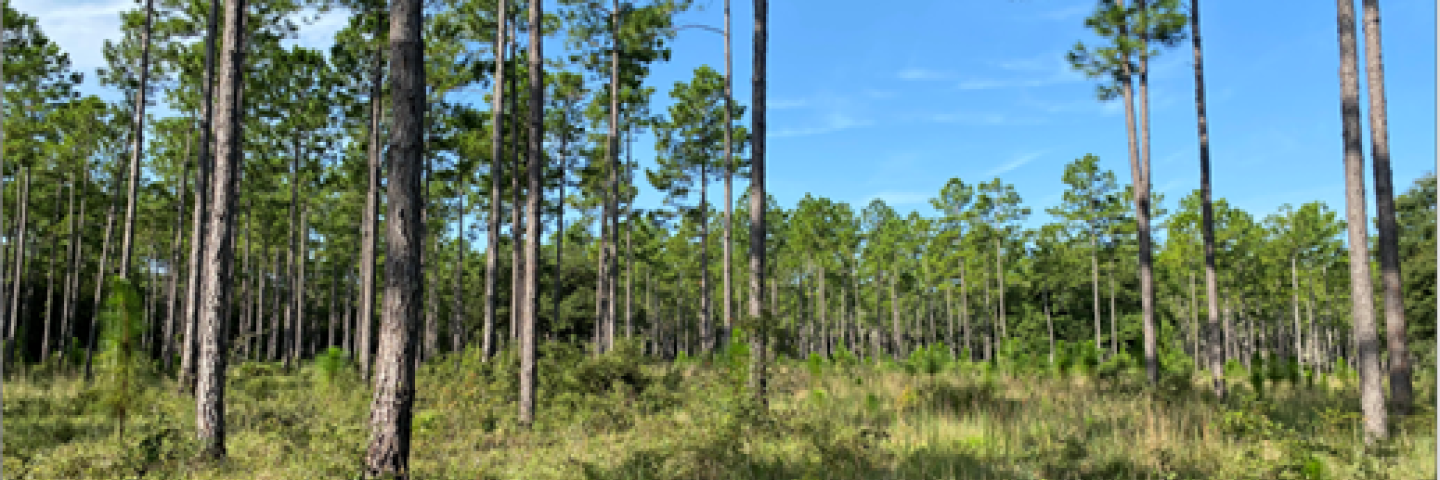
x=122, y=359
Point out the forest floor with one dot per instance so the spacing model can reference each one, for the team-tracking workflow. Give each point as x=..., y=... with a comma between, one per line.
x=620, y=418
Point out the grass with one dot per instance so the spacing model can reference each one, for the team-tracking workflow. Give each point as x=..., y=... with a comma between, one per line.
x=620, y=418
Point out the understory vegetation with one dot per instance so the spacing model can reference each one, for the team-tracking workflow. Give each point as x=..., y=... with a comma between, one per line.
x=621, y=416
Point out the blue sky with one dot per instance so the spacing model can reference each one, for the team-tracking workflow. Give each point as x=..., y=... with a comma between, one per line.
x=890, y=100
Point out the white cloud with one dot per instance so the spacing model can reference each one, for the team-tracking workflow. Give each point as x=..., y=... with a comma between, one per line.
x=914, y=73
x=832, y=122
x=981, y=119
x=80, y=27
x=1014, y=163
x=318, y=30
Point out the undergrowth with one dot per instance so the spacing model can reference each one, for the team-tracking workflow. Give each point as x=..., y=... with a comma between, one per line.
x=622, y=416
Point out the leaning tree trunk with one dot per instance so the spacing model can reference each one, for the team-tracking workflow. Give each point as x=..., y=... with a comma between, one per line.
x=1215, y=352
x=1372, y=400
x=1402, y=393
x=219, y=249
x=394, y=397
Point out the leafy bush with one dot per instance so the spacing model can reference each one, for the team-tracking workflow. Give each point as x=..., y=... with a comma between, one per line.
x=122, y=358
x=331, y=366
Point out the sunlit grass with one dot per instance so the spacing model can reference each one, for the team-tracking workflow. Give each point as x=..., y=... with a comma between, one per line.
x=620, y=420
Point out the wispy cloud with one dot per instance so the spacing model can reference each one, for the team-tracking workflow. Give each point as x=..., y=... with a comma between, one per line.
x=80, y=27
x=318, y=29
x=830, y=123
x=1014, y=163
x=982, y=119
x=900, y=198
x=1068, y=13
x=1073, y=106
x=915, y=73
x=1049, y=68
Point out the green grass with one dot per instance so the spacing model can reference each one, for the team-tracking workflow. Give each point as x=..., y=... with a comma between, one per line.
x=618, y=418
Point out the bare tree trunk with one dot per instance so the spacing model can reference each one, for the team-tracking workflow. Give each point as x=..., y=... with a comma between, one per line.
x=457, y=308
x=707, y=331
x=198, y=235
x=516, y=210
x=965, y=313
x=612, y=149
x=137, y=141
x=302, y=256
x=100, y=272
x=272, y=351
x=1114, y=333
x=55, y=260
x=528, y=321
x=72, y=299
x=368, y=234
x=167, y=351
x=1095, y=287
x=1402, y=392
x=1049, y=325
x=758, y=345
x=216, y=283
x=497, y=168
x=1372, y=400
x=18, y=279
x=729, y=176
x=394, y=397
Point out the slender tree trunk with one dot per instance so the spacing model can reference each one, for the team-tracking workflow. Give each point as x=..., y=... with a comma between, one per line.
x=707, y=331
x=1401, y=390
x=18, y=279
x=55, y=260
x=368, y=228
x=1295, y=305
x=758, y=345
x=302, y=256
x=965, y=313
x=516, y=209
x=607, y=241
x=394, y=397
x=1114, y=333
x=137, y=141
x=1000, y=288
x=72, y=300
x=560, y=221
x=1141, y=177
x=497, y=168
x=216, y=283
x=1049, y=325
x=173, y=304
x=528, y=319
x=1095, y=287
x=202, y=193
x=729, y=176
x=100, y=272
x=1372, y=401
x=457, y=306
x=332, y=310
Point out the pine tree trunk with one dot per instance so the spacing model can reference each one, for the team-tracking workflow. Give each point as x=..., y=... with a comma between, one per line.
x=368, y=222
x=72, y=299
x=198, y=235
x=173, y=303
x=528, y=321
x=137, y=141
x=216, y=281
x=100, y=272
x=707, y=331
x=760, y=335
x=55, y=261
x=1402, y=392
x=18, y=278
x=1372, y=401
x=1095, y=287
x=497, y=168
x=394, y=396
x=612, y=150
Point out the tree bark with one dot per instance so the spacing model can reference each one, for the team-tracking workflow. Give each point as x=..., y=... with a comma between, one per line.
x=729, y=176
x=366, y=316
x=497, y=168
x=18, y=279
x=1372, y=401
x=218, y=252
x=528, y=320
x=1402, y=392
x=394, y=397
x=167, y=347
x=1142, y=217
x=137, y=139
x=100, y=272
x=760, y=335
x=516, y=210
